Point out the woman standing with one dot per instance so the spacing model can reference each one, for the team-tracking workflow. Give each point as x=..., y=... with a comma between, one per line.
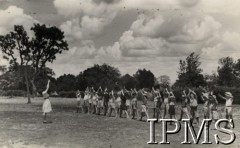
x=47, y=107
x=78, y=95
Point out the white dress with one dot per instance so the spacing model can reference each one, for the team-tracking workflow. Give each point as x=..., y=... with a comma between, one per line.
x=47, y=107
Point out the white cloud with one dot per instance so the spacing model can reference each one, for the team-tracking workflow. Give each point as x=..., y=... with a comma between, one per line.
x=198, y=29
x=14, y=16
x=87, y=19
x=110, y=52
x=167, y=30
x=11, y=16
x=147, y=25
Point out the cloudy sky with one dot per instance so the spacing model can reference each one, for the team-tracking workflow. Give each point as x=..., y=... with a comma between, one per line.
x=133, y=34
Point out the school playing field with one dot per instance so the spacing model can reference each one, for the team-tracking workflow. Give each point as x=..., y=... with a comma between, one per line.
x=21, y=127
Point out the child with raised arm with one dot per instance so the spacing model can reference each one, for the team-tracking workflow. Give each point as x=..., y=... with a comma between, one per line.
x=47, y=107
x=94, y=102
x=111, y=105
x=165, y=102
x=205, y=99
x=105, y=101
x=213, y=108
x=172, y=103
x=144, y=110
x=193, y=106
x=157, y=103
x=134, y=104
x=184, y=104
x=228, y=106
x=78, y=96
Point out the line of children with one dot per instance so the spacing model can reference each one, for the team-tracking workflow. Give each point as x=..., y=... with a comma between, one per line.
x=126, y=102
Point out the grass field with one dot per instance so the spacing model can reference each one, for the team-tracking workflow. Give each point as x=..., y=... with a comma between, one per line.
x=21, y=127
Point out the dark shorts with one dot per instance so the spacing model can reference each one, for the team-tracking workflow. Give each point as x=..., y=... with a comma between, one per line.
x=123, y=107
x=171, y=109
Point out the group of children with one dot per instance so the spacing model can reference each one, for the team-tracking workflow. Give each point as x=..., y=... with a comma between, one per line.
x=127, y=102
x=135, y=104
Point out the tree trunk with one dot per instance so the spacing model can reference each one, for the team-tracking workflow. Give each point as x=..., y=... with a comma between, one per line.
x=27, y=84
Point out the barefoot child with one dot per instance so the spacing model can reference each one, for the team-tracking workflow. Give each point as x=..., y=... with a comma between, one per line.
x=100, y=100
x=193, y=106
x=47, y=108
x=205, y=99
x=111, y=105
x=228, y=106
x=94, y=102
x=78, y=95
x=144, y=110
x=105, y=101
x=157, y=103
x=172, y=102
x=165, y=103
x=184, y=104
x=213, y=108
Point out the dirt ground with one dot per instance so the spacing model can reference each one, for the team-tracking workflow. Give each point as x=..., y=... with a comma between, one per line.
x=21, y=127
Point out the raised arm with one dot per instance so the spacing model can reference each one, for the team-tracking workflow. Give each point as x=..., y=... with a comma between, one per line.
x=220, y=96
x=215, y=100
x=46, y=90
x=184, y=93
x=171, y=94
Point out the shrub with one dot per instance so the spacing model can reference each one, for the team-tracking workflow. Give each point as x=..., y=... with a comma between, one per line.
x=13, y=93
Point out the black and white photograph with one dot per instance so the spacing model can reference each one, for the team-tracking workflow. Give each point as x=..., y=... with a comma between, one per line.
x=119, y=73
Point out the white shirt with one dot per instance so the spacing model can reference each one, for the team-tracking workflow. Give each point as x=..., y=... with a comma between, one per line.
x=229, y=102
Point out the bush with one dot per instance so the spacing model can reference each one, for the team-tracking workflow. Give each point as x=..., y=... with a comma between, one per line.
x=67, y=94
x=13, y=93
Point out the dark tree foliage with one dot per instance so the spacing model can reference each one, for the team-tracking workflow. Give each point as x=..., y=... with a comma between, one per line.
x=81, y=82
x=25, y=54
x=128, y=81
x=99, y=75
x=189, y=74
x=145, y=78
x=66, y=83
x=226, y=70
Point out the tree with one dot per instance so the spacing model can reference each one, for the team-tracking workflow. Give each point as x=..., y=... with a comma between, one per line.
x=2, y=69
x=164, y=81
x=15, y=47
x=25, y=54
x=66, y=82
x=237, y=70
x=128, y=81
x=189, y=74
x=145, y=78
x=11, y=80
x=100, y=75
x=226, y=72
x=81, y=82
